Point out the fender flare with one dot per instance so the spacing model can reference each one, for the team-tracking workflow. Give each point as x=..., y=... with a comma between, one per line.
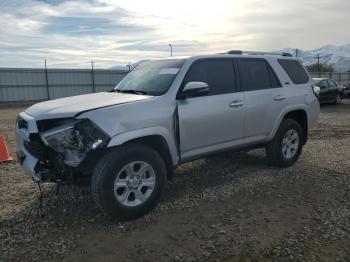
x=122, y=138
x=281, y=116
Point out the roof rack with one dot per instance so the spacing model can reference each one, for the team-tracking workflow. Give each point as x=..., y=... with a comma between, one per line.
x=240, y=52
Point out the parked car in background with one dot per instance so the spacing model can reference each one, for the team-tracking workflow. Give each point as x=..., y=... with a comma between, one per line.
x=330, y=90
x=347, y=90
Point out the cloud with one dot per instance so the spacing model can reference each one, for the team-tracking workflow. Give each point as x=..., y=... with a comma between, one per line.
x=72, y=33
x=298, y=23
x=93, y=26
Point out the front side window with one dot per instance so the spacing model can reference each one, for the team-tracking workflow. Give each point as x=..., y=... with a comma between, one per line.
x=218, y=74
x=255, y=74
x=151, y=78
x=323, y=84
x=331, y=83
x=294, y=70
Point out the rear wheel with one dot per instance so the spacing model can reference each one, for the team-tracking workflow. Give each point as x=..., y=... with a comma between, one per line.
x=284, y=150
x=127, y=183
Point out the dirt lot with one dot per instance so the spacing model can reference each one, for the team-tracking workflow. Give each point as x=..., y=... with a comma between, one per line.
x=230, y=207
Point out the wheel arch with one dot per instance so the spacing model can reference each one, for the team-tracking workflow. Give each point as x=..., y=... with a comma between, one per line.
x=301, y=117
x=159, y=144
x=156, y=138
x=298, y=114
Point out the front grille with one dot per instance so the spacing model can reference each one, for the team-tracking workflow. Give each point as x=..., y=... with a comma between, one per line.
x=35, y=147
x=22, y=124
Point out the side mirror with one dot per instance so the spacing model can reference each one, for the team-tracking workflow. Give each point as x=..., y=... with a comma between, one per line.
x=193, y=89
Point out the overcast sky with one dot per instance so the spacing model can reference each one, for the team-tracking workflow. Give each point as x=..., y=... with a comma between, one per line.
x=114, y=32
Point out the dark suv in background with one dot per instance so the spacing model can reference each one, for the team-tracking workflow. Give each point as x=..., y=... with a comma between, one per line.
x=347, y=90
x=330, y=90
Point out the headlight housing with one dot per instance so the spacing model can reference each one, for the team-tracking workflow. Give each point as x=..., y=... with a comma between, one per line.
x=59, y=138
x=74, y=139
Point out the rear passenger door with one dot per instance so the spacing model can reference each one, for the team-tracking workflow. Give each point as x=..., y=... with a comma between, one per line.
x=265, y=98
x=215, y=121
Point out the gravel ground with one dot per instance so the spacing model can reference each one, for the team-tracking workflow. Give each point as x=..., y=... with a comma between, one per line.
x=229, y=207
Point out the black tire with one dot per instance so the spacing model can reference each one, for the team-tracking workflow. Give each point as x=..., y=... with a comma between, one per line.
x=274, y=148
x=105, y=174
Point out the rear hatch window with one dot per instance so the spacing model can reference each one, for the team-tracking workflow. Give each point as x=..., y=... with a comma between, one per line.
x=295, y=71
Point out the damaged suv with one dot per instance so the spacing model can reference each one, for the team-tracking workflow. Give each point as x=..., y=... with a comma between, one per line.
x=162, y=114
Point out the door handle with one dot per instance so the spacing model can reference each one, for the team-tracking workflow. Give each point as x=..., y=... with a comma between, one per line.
x=236, y=103
x=279, y=98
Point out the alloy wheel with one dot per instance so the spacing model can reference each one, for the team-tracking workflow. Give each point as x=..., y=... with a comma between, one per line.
x=290, y=143
x=134, y=183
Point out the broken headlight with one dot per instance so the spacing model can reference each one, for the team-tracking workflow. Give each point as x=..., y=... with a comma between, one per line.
x=73, y=140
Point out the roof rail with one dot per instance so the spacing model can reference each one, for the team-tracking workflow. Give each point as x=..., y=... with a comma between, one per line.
x=239, y=52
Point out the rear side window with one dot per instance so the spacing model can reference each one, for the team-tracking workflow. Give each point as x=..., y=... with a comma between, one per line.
x=295, y=71
x=218, y=74
x=256, y=74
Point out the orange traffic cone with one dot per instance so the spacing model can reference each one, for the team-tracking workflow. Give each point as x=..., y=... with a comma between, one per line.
x=4, y=153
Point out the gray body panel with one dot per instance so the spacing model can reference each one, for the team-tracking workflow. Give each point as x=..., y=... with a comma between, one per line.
x=198, y=134
x=70, y=106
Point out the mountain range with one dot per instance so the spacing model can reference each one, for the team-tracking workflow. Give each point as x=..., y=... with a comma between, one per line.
x=338, y=56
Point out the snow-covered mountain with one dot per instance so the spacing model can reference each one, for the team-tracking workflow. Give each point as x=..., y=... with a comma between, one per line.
x=339, y=56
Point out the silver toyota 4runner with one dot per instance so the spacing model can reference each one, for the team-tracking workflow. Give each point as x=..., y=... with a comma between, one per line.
x=162, y=114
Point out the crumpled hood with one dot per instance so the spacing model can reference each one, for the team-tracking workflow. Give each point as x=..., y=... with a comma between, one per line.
x=70, y=106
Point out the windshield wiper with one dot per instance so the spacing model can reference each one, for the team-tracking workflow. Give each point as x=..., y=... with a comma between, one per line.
x=131, y=91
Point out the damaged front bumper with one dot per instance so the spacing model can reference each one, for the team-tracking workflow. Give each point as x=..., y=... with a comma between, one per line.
x=50, y=153
x=25, y=126
x=28, y=163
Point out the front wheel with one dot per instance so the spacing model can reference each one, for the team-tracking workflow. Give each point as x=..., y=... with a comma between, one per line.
x=128, y=181
x=285, y=148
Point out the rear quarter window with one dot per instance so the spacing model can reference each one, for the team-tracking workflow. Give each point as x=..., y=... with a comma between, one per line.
x=294, y=70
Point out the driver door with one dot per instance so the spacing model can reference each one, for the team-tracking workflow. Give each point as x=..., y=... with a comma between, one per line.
x=324, y=92
x=214, y=121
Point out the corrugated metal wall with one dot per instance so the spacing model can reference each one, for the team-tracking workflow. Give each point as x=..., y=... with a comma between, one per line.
x=39, y=84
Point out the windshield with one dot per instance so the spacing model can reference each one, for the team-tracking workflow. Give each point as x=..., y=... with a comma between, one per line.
x=151, y=78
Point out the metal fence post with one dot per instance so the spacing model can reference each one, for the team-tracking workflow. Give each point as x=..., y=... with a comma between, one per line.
x=93, y=77
x=339, y=80
x=47, y=83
